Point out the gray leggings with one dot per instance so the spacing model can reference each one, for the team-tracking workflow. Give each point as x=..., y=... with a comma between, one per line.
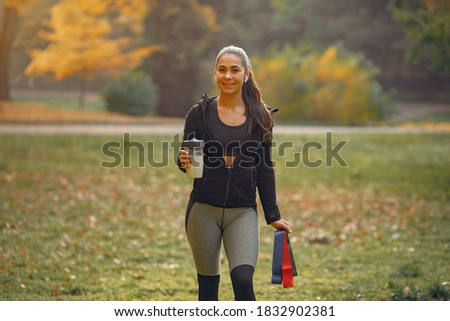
x=206, y=225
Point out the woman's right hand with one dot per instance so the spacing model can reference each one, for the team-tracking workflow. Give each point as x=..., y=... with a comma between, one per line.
x=281, y=225
x=185, y=159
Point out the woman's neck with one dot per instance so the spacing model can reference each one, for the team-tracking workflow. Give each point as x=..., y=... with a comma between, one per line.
x=231, y=101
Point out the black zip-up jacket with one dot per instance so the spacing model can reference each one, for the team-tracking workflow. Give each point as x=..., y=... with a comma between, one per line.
x=236, y=186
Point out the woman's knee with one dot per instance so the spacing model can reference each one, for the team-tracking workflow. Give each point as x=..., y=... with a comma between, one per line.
x=243, y=274
x=242, y=280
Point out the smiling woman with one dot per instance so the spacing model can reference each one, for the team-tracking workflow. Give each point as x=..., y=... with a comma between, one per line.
x=234, y=78
x=229, y=74
x=222, y=205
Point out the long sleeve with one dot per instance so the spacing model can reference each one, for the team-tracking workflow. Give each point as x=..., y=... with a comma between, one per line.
x=266, y=184
x=189, y=130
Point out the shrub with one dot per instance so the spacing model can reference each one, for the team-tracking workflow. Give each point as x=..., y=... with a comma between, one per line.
x=334, y=86
x=435, y=292
x=133, y=93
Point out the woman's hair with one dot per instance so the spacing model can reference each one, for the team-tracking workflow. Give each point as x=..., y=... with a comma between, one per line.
x=256, y=110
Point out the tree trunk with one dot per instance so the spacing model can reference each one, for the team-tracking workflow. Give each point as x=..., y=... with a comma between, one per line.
x=7, y=35
x=82, y=91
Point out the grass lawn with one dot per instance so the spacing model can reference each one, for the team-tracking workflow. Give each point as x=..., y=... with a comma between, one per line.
x=377, y=229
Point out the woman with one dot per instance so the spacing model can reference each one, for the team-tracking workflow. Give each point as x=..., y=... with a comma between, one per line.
x=236, y=127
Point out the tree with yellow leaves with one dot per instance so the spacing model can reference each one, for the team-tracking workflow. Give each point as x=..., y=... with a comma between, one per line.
x=81, y=42
x=335, y=86
x=11, y=11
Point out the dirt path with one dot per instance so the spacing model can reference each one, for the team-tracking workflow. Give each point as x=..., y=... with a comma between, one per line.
x=169, y=129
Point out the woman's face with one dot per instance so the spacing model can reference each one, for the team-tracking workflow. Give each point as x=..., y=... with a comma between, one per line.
x=230, y=74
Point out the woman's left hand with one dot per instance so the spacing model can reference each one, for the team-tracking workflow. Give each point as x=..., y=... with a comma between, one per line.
x=281, y=225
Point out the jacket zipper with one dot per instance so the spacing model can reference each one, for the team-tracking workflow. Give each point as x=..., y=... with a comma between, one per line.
x=208, y=129
x=228, y=187
x=230, y=169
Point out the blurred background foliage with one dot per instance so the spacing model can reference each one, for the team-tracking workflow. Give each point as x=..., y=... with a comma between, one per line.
x=427, y=30
x=133, y=93
x=330, y=86
x=325, y=62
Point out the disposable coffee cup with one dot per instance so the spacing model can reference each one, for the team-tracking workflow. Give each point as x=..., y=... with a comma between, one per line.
x=194, y=147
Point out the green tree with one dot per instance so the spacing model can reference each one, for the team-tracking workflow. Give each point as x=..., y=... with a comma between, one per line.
x=364, y=26
x=427, y=27
x=245, y=23
x=186, y=28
